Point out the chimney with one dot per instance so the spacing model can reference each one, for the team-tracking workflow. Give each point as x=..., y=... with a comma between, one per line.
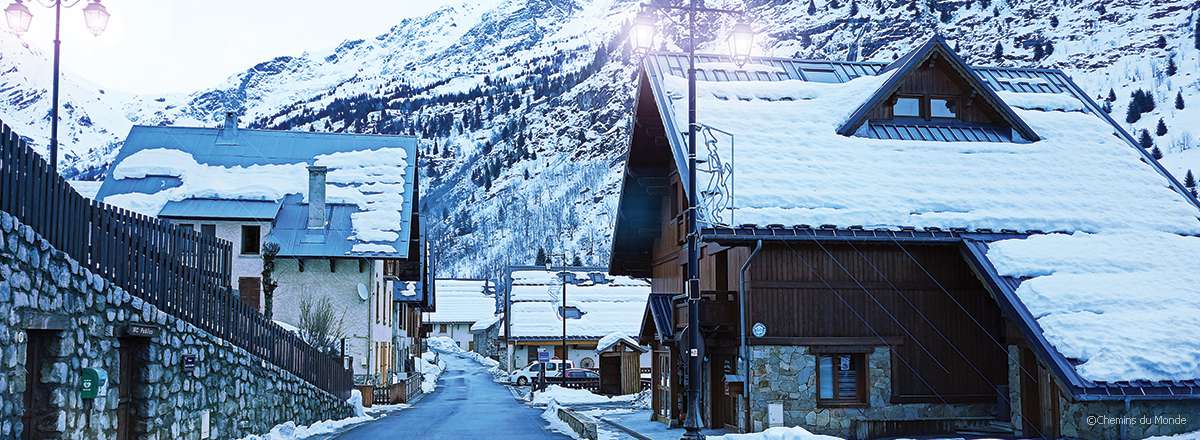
x=316, y=197
x=228, y=134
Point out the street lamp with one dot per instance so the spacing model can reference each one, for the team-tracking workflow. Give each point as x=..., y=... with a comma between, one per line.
x=95, y=16
x=740, y=43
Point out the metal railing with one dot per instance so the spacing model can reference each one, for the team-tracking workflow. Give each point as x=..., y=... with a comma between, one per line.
x=180, y=271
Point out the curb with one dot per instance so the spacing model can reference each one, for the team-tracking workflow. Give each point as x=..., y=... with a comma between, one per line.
x=582, y=424
x=624, y=429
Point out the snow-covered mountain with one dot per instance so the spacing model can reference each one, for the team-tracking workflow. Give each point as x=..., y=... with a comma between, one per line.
x=525, y=104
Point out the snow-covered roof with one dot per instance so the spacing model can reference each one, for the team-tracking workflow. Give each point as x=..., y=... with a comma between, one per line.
x=612, y=339
x=370, y=176
x=1123, y=226
x=461, y=301
x=614, y=305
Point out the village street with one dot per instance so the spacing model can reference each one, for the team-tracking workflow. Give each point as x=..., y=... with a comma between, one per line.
x=467, y=404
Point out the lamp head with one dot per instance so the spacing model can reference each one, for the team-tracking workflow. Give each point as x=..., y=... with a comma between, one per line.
x=96, y=17
x=18, y=17
x=741, y=42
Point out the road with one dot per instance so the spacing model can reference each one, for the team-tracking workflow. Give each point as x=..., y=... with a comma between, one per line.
x=466, y=405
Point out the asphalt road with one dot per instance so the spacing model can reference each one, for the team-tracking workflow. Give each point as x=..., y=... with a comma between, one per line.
x=466, y=405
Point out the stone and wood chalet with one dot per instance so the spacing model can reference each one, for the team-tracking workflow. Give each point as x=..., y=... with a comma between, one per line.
x=918, y=247
x=341, y=208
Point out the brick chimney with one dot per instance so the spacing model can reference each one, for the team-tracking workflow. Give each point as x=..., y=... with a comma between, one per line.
x=316, y=197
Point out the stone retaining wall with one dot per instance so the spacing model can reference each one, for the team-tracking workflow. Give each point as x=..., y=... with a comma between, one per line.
x=82, y=315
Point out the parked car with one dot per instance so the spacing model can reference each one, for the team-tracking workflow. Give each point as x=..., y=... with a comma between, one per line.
x=582, y=373
x=530, y=373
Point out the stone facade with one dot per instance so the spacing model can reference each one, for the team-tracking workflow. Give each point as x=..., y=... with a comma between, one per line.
x=1112, y=421
x=83, y=314
x=787, y=375
x=486, y=340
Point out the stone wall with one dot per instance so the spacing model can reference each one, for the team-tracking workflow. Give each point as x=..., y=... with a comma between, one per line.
x=787, y=375
x=82, y=315
x=1111, y=421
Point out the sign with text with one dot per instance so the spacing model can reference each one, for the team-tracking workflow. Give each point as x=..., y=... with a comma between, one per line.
x=189, y=363
x=141, y=331
x=543, y=355
x=94, y=384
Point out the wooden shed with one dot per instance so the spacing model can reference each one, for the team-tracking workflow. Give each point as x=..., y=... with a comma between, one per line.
x=620, y=365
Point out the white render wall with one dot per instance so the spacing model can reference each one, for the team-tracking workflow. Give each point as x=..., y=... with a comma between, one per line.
x=459, y=332
x=242, y=265
x=341, y=287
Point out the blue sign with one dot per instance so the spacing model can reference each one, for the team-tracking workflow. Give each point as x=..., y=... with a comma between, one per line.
x=543, y=356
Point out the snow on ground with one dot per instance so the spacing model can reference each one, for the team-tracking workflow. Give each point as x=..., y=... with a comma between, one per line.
x=777, y=433
x=431, y=369
x=1049, y=185
x=639, y=421
x=445, y=345
x=572, y=396
x=550, y=415
x=1185, y=436
x=291, y=431
x=1080, y=287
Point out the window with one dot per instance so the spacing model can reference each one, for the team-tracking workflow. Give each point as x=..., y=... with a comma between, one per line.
x=208, y=230
x=441, y=328
x=942, y=108
x=841, y=379
x=907, y=107
x=571, y=312
x=250, y=239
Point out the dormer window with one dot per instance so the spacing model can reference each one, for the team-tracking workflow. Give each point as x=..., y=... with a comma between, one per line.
x=942, y=108
x=907, y=107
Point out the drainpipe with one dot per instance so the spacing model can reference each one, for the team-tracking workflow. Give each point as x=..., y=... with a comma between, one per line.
x=742, y=347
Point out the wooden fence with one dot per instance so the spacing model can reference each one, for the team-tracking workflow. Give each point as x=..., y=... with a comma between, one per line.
x=182, y=272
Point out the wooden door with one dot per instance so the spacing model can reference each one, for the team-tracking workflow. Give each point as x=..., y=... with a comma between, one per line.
x=250, y=288
x=662, y=384
x=723, y=405
x=131, y=359
x=1031, y=390
x=37, y=402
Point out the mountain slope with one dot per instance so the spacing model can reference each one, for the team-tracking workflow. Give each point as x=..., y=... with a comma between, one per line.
x=524, y=105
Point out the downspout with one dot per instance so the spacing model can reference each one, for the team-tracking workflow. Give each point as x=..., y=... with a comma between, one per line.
x=742, y=346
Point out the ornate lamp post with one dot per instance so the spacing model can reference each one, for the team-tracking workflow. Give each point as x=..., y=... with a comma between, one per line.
x=95, y=16
x=741, y=40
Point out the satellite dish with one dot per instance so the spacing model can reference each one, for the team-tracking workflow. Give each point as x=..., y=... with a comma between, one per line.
x=362, y=292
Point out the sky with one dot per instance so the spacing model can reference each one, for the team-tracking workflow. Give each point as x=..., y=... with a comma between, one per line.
x=166, y=46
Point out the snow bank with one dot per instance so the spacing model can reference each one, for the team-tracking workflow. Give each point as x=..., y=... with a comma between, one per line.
x=430, y=371
x=1079, y=177
x=290, y=431
x=1080, y=287
x=550, y=415
x=356, y=403
x=443, y=344
x=572, y=396
x=372, y=180
x=1185, y=436
x=777, y=433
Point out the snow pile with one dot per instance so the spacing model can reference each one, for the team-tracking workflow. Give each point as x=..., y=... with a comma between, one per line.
x=550, y=415
x=614, y=338
x=777, y=433
x=572, y=396
x=431, y=369
x=793, y=167
x=1081, y=287
x=290, y=431
x=372, y=180
x=356, y=403
x=443, y=344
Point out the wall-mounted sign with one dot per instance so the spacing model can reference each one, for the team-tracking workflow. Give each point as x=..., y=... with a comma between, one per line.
x=189, y=363
x=141, y=331
x=759, y=330
x=94, y=384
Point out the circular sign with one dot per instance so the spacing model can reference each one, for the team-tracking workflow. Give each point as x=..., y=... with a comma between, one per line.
x=759, y=330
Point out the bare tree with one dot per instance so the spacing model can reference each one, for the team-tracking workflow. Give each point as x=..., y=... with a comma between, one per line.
x=319, y=324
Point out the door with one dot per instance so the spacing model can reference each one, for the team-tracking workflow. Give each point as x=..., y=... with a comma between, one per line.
x=249, y=288
x=132, y=355
x=1031, y=402
x=37, y=402
x=662, y=384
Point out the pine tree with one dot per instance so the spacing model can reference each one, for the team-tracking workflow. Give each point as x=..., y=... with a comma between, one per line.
x=1048, y=48
x=998, y=52
x=1189, y=180
x=1161, y=129
x=1171, y=67
x=577, y=262
x=945, y=16
x=912, y=5
x=834, y=4
x=1107, y=107
x=1196, y=34
x=1179, y=100
x=1112, y=95
x=527, y=174
x=1145, y=140
x=1053, y=21
x=812, y=7
x=853, y=7
x=1037, y=52
x=541, y=257
x=879, y=6
x=1160, y=42
x=1156, y=153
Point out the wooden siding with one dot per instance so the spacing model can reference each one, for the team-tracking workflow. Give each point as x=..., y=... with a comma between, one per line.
x=936, y=78
x=788, y=295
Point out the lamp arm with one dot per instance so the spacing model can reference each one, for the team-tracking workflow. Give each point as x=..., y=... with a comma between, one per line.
x=52, y=3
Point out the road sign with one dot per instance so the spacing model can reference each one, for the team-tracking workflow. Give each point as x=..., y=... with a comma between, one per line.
x=543, y=356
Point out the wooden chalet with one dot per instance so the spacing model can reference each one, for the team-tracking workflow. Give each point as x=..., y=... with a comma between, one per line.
x=879, y=209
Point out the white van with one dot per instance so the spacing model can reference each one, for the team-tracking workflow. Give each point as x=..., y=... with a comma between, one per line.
x=527, y=375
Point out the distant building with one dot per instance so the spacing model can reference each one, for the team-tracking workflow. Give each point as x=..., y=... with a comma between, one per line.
x=597, y=305
x=341, y=208
x=919, y=248
x=460, y=304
